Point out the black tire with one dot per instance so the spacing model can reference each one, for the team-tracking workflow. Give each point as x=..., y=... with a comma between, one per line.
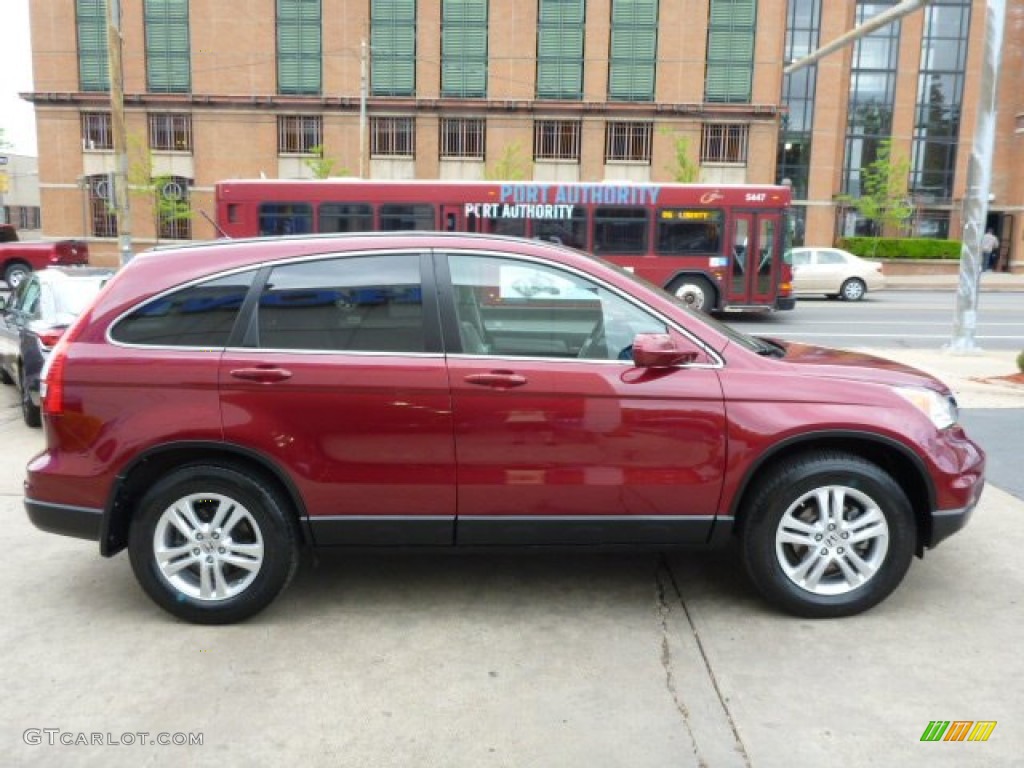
x=784, y=505
x=853, y=289
x=696, y=292
x=29, y=410
x=15, y=273
x=254, y=518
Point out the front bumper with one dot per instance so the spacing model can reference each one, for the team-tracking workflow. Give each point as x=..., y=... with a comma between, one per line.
x=79, y=522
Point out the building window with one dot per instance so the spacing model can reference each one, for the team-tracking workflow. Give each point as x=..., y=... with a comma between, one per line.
x=723, y=143
x=730, y=55
x=96, y=131
x=168, y=67
x=298, y=47
x=462, y=138
x=299, y=134
x=101, y=205
x=793, y=162
x=170, y=132
x=872, y=95
x=174, y=211
x=940, y=91
x=91, y=17
x=393, y=46
x=560, y=26
x=464, y=48
x=628, y=141
x=556, y=140
x=392, y=137
x=634, y=49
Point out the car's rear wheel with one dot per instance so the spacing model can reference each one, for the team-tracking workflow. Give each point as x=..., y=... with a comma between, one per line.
x=695, y=292
x=14, y=274
x=827, y=535
x=853, y=289
x=212, y=545
x=29, y=410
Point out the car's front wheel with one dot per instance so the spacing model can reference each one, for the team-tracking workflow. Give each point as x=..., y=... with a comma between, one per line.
x=212, y=545
x=827, y=535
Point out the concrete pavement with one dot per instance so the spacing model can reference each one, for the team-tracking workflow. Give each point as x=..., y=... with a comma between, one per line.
x=516, y=659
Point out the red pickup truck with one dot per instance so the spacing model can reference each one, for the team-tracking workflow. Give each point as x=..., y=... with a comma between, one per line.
x=18, y=258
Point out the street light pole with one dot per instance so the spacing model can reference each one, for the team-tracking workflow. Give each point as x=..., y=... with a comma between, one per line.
x=979, y=180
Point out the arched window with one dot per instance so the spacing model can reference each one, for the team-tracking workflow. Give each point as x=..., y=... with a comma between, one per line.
x=101, y=205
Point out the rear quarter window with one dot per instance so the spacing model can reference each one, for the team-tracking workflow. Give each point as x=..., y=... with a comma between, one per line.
x=201, y=315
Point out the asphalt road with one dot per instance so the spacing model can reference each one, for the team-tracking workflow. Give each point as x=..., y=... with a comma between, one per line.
x=908, y=319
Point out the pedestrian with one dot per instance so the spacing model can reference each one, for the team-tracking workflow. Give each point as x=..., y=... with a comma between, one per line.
x=989, y=251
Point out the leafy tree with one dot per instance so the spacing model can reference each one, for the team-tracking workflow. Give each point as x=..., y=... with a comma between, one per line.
x=684, y=169
x=510, y=167
x=159, y=190
x=883, y=198
x=321, y=165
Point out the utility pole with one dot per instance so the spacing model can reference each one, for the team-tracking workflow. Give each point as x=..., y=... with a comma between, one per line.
x=363, y=66
x=120, y=135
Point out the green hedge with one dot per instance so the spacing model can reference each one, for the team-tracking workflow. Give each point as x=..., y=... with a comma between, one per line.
x=901, y=247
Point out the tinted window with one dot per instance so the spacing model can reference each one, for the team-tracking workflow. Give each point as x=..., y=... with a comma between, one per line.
x=620, y=230
x=346, y=217
x=286, y=218
x=365, y=303
x=403, y=217
x=198, y=316
x=26, y=296
x=689, y=231
x=831, y=257
x=571, y=232
x=506, y=307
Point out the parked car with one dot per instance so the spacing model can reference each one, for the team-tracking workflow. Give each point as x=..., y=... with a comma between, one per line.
x=34, y=318
x=835, y=273
x=222, y=405
x=18, y=258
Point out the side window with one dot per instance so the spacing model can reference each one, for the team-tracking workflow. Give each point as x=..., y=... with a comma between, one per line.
x=506, y=307
x=571, y=232
x=800, y=258
x=26, y=299
x=198, y=316
x=689, y=230
x=286, y=219
x=346, y=217
x=830, y=257
x=353, y=304
x=395, y=217
x=620, y=230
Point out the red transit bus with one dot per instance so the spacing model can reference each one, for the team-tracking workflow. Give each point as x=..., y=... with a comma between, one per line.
x=715, y=247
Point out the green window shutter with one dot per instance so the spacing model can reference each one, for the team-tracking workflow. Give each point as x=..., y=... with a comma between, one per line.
x=634, y=50
x=393, y=47
x=168, y=68
x=464, y=48
x=560, y=25
x=93, y=74
x=730, y=52
x=299, y=59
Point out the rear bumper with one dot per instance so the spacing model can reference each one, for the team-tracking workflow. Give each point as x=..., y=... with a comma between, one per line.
x=79, y=522
x=787, y=302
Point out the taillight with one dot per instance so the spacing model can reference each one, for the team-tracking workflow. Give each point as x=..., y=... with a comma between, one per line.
x=51, y=384
x=50, y=336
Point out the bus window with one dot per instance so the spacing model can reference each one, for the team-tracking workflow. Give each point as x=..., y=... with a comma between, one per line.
x=682, y=230
x=571, y=232
x=620, y=230
x=286, y=219
x=403, y=216
x=346, y=217
x=510, y=227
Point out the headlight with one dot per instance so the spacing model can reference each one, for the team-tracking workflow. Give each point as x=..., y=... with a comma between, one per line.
x=940, y=409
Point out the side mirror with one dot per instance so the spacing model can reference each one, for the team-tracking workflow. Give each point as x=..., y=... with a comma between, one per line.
x=658, y=350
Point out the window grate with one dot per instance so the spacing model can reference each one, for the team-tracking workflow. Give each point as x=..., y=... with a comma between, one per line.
x=299, y=134
x=556, y=140
x=723, y=143
x=462, y=137
x=628, y=141
x=170, y=132
x=97, y=132
x=392, y=137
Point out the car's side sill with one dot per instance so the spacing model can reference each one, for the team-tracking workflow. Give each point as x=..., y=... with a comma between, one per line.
x=593, y=530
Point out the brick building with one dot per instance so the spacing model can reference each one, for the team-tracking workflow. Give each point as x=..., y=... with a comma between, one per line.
x=545, y=89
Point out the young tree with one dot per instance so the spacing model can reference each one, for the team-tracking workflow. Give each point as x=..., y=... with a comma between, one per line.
x=510, y=167
x=883, y=197
x=684, y=169
x=168, y=202
x=321, y=165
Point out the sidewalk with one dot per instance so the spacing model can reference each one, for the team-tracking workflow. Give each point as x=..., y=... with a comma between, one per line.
x=990, y=281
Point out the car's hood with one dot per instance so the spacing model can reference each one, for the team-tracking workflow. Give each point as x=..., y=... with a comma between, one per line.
x=856, y=366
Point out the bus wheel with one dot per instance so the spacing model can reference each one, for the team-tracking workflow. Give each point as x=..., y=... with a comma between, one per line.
x=695, y=292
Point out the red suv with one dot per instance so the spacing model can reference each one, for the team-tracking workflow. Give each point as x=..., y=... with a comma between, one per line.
x=221, y=406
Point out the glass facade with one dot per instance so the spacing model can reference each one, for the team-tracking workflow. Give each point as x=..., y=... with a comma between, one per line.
x=803, y=28
x=872, y=95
